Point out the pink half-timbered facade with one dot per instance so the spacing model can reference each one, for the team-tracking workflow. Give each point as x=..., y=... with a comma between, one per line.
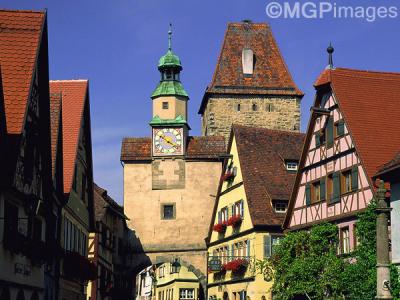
x=334, y=178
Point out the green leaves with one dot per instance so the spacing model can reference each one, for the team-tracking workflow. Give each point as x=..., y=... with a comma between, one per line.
x=305, y=263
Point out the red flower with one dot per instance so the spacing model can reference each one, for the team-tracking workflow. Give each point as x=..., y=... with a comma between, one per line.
x=237, y=265
x=235, y=220
x=220, y=227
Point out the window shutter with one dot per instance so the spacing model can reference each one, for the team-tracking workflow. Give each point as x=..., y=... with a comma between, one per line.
x=248, y=248
x=232, y=252
x=336, y=187
x=329, y=133
x=340, y=127
x=322, y=189
x=219, y=217
x=308, y=194
x=267, y=246
x=354, y=178
x=242, y=208
x=233, y=209
x=317, y=139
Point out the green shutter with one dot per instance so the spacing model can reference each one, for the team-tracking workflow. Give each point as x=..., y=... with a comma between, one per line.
x=232, y=252
x=308, y=194
x=317, y=139
x=329, y=133
x=354, y=178
x=267, y=246
x=336, y=187
x=248, y=248
x=322, y=189
x=340, y=128
x=219, y=217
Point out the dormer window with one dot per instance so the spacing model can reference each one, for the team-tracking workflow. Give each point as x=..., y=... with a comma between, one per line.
x=247, y=61
x=292, y=165
x=280, y=206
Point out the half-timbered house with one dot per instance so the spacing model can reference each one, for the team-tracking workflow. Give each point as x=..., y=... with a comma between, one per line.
x=353, y=130
x=29, y=208
x=251, y=203
x=77, y=213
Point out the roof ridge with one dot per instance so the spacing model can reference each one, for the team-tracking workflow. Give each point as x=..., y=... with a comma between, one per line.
x=369, y=71
x=69, y=80
x=23, y=10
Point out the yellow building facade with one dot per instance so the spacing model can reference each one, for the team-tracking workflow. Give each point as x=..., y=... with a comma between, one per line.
x=251, y=203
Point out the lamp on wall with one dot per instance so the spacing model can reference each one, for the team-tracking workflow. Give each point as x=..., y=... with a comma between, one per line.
x=175, y=266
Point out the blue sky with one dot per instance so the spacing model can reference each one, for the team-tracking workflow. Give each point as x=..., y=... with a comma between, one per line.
x=117, y=43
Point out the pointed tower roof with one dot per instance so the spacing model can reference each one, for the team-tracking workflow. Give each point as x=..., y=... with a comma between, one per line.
x=270, y=75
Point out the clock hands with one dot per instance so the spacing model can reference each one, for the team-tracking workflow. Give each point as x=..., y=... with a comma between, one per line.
x=168, y=141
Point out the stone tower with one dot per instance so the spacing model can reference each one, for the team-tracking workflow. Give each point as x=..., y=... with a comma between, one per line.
x=251, y=84
x=170, y=182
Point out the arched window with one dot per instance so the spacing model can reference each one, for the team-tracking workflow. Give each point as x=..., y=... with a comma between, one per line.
x=254, y=107
x=238, y=107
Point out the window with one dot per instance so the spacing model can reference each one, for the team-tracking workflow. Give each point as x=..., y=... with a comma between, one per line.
x=238, y=209
x=344, y=240
x=165, y=105
x=346, y=182
x=269, y=107
x=223, y=215
x=291, y=166
x=161, y=271
x=254, y=107
x=280, y=206
x=186, y=293
x=316, y=192
x=339, y=128
x=168, y=211
x=270, y=244
x=238, y=107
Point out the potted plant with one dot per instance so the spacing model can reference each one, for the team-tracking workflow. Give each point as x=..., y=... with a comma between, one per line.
x=220, y=227
x=235, y=220
x=237, y=265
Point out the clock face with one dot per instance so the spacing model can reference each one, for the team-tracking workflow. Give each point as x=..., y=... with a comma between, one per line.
x=168, y=141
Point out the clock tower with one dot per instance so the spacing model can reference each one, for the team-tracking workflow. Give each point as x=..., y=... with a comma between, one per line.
x=169, y=123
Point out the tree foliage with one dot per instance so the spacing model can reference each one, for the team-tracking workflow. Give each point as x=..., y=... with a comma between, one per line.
x=306, y=264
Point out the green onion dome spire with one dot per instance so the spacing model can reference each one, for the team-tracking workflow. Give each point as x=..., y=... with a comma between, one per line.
x=170, y=59
x=170, y=67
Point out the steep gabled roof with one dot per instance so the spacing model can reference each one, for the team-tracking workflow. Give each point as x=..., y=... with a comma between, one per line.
x=198, y=147
x=20, y=36
x=271, y=75
x=55, y=125
x=262, y=154
x=102, y=202
x=74, y=95
x=369, y=103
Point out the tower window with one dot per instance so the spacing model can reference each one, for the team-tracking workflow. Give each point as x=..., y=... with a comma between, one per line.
x=169, y=74
x=165, y=105
x=238, y=107
x=254, y=107
x=269, y=107
x=168, y=211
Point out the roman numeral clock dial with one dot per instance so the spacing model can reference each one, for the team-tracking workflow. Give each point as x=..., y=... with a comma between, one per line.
x=168, y=141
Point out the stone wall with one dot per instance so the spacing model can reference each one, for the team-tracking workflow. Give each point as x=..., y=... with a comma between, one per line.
x=149, y=185
x=270, y=112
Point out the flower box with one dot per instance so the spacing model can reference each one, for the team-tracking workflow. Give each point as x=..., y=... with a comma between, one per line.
x=220, y=227
x=237, y=265
x=235, y=220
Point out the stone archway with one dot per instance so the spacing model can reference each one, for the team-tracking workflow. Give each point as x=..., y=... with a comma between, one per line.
x=198, y=273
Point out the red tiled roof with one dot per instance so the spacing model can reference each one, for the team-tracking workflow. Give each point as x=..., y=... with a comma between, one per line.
x=74, y=94
x=199, y=147
x=55, y=114
x=370, y=105
x=262, y=154
x=271, y=75
x=20, y=34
